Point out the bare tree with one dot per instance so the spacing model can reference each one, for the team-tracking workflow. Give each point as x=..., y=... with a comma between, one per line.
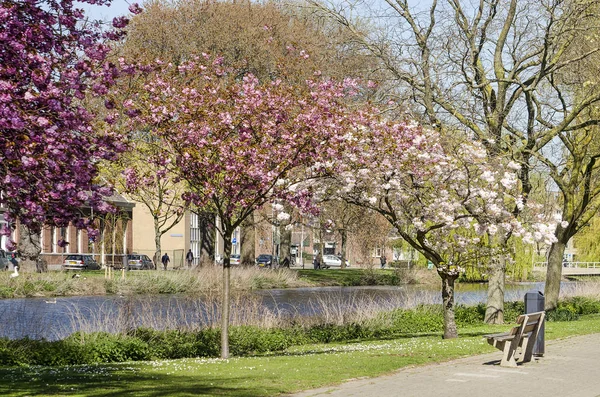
x=572, y=162
x=490, y=68
x=143, y=174
x=348, y=220
x=257, y=35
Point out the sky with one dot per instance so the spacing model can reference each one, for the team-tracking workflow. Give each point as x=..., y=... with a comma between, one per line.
x=117, y=8
x=120, y=7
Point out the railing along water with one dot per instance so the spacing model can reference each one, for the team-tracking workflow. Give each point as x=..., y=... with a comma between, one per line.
x=573, y=268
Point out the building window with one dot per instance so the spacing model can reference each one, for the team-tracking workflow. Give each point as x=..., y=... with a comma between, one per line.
x=195, y=236
x=377, y=252
x=55, y=233
x=79, y=240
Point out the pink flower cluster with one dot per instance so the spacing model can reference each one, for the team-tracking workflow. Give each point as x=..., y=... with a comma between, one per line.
x=48, y=148
x=239, y=143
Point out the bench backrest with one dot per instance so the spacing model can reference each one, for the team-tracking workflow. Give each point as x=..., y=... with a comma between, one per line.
x=528, y=323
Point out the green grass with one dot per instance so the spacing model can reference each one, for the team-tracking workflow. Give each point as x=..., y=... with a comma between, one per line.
x=299, y=368
x=349, y=277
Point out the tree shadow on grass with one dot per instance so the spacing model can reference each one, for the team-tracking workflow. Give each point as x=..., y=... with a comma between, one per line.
x=75, y=381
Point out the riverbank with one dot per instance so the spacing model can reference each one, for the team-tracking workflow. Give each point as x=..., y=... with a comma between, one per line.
x=200, y=280
x=296, y=369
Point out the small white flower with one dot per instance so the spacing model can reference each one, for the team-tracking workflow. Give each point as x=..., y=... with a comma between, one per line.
x=283, y=216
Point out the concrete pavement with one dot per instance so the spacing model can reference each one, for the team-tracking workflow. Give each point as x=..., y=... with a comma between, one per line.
x=570, y=368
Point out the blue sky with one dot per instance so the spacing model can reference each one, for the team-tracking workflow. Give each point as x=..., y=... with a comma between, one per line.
x=120, y=7
x=117, y=8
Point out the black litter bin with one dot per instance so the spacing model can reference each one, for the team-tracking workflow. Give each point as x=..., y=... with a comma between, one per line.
x=534, y=302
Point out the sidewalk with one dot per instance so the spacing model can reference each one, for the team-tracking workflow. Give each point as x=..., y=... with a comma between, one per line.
x=570, y=368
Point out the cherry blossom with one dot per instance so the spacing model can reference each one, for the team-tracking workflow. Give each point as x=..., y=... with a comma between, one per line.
x=239, y=144
x=445, y=197
x=49, y=150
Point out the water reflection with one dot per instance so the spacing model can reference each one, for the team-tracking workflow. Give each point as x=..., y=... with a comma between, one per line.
x=56, y=318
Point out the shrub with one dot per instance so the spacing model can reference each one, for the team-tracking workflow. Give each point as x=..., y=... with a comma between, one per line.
x=469, y=315
x=422, y=319
x=179, y=344
x=327, y=333
x=580, y=305
x=512, y=310
x=562, y=314
x=251, y=340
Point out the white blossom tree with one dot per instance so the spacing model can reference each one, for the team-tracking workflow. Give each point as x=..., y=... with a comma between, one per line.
x=438, y=195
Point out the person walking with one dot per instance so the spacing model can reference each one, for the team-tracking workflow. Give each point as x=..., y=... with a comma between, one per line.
x=13, y=260
x=383, y=261
x=316, y=263
x=190, y=258
x=165, y=260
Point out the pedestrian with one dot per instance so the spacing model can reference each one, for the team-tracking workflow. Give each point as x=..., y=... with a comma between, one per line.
x=316, y=262
x=189, y=257
x=383, y=261
x=165, y=260
x=13, y=260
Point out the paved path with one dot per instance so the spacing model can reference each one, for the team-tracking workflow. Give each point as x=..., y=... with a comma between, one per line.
x=570, y=368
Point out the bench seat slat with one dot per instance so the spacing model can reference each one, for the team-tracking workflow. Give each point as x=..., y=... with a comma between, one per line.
x=504, y=337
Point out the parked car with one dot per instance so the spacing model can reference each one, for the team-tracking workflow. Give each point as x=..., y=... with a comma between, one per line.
x=80, y=262
x=4, y=257
x=235, y=259
x=139, y=262
x=266, y=260
x=333, y=261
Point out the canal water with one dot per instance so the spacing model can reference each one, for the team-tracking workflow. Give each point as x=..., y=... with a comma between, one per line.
x=52, y=319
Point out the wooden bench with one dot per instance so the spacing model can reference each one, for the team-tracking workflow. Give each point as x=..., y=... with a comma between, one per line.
x=523, y=335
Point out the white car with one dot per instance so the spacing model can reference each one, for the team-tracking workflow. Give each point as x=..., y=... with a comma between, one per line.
x=333, y=261
x=234, y=259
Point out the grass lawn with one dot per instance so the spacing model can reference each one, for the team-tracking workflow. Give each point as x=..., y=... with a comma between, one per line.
x=297, y=369
x=349, y=277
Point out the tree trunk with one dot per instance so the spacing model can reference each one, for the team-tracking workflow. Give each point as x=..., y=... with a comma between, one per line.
x=157, y=247
x=494, y=312
x=344, y=237
x=247, y=242
x=554, y=272
x=450, y=330
x=226, y=300
x=207, y=236
x=29, y=250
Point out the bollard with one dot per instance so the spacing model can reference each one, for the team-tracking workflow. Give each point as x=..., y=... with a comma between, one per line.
x=534, y=302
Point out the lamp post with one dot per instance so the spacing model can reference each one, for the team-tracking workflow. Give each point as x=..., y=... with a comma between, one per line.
x=302, y=244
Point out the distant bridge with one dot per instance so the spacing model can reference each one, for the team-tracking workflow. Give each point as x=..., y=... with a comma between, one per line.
x=572, y=268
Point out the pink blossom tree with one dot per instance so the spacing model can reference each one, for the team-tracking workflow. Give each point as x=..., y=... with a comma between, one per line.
x=239, y=144
x=447, y=200
x=50, y=61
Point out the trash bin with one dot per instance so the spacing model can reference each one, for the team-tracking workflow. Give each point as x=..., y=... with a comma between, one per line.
x=534, y=302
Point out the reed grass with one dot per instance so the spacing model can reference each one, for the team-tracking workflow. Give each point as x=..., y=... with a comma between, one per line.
x=195, y=312
x=195, y=281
